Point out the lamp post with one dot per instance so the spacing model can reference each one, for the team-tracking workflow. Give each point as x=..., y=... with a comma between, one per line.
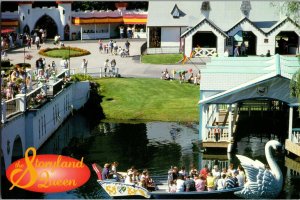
x=25, y=78
x=69, y=61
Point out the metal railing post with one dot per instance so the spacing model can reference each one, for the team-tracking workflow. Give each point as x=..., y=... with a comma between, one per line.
x=3, y=111
x=21, y=103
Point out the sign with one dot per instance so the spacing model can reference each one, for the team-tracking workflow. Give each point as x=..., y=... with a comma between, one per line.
x=47, y=173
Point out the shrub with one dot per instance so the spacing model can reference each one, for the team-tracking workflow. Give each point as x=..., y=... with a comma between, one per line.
x=5, y=63
x=81, y=77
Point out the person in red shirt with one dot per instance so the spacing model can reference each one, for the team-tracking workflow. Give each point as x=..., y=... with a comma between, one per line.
x=204, y=171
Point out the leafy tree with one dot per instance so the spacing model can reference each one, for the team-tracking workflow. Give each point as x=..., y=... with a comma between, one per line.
x=289, y=8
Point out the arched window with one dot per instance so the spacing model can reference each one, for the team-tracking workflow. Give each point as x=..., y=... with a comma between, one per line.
x=26, y=29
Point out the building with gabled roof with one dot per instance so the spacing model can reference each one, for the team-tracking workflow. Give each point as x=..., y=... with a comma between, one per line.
x=227, y=88
x=216, y=26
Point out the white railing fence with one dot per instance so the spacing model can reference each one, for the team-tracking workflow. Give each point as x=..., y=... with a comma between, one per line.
x=204, y=52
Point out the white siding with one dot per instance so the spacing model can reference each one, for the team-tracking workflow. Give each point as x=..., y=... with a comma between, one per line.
x=170, y=36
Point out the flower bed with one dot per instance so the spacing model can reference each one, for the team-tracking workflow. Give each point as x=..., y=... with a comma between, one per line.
x=64, y=52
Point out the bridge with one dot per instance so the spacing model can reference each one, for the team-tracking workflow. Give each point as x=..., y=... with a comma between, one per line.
x=26, y=122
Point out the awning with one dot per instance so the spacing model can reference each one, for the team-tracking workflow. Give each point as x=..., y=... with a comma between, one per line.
x=7, y=30
x=10, y=22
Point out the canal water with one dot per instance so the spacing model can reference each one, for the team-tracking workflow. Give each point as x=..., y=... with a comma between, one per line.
x=152, y=145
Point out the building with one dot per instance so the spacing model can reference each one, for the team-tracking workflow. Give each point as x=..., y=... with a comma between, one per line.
x=216, y=26
x=75, y=24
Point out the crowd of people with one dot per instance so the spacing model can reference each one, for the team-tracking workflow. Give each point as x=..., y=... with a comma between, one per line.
x=180, y=180
x=194, y=79
x=132, y=177
x=16, y=81
x=113, y=48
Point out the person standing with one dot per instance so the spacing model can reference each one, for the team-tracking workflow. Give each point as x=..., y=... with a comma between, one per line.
x=100, y=46
x=121, y=32
x=106, y=65
x=243, y=49
x=127, y=45
x=113, y=67
x=84, y=66
x=236, y=51
x=37, y=42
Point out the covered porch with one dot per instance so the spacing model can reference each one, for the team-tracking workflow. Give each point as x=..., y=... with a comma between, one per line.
x=220, y=109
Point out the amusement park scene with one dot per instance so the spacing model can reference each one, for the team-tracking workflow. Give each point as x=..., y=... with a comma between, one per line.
x=150, y=99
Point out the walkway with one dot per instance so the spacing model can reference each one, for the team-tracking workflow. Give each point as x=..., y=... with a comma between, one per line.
x=128, y=67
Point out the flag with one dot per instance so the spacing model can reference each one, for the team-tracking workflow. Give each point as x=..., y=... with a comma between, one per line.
x=184, y=59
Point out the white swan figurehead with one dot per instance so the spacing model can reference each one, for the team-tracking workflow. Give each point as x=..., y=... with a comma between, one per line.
x=261, y=182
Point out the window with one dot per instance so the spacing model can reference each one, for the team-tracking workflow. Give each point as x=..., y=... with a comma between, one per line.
x=229, y=41
x=176, y=12
x=23, y=17
x=266, y=40
x=155, y=37
x=64, y=12
x=28, y=11
x=205, y=6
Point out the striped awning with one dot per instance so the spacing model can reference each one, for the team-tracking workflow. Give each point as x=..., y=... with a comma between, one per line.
x=126, y=19
x=85, y=21
x=9, y=23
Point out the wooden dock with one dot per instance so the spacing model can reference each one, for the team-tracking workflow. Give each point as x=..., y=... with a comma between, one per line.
x=292, y=147
x=212, y=144
x=292, y=164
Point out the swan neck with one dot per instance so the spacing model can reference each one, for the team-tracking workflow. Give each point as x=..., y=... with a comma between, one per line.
x=273, y=165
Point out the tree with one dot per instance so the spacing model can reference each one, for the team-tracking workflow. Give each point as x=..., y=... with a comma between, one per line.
x=290, y=9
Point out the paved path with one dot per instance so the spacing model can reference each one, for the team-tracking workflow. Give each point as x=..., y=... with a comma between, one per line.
x=128, y=66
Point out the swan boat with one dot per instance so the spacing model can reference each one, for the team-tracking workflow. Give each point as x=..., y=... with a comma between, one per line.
x=263, y=183
x=120, y=190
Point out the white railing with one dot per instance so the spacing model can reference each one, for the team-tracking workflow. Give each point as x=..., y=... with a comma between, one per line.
x=217, y=133
x=221, y=163
x=12, y=106
x=204, y=52
x=295, y=135
x=212, y=115
x=97, y=71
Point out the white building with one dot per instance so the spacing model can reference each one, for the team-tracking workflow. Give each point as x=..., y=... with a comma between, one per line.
x=175, y=26
x=68, y=24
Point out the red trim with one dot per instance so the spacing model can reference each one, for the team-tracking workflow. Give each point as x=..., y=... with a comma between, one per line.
x=121, y=5
x=63, y=2
x=98, y=170
x=24, y=2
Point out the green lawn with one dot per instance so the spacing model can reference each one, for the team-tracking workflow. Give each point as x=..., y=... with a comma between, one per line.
x=162, y=58
x=149, y=99
x=60, y=53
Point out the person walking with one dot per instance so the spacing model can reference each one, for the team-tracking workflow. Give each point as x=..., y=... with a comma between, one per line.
x=84, y=66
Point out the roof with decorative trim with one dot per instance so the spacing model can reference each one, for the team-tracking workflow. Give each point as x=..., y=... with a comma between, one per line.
x=205, y=20
x=249, y=72
x=245, y=19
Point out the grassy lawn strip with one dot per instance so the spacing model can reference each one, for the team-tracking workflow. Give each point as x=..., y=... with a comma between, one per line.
x=149, y=99
x=162, y=58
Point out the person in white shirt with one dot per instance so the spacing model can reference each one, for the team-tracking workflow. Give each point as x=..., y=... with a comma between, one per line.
x=180, y=183
x=216, y=172
x=84, y=66
x=221, y=182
